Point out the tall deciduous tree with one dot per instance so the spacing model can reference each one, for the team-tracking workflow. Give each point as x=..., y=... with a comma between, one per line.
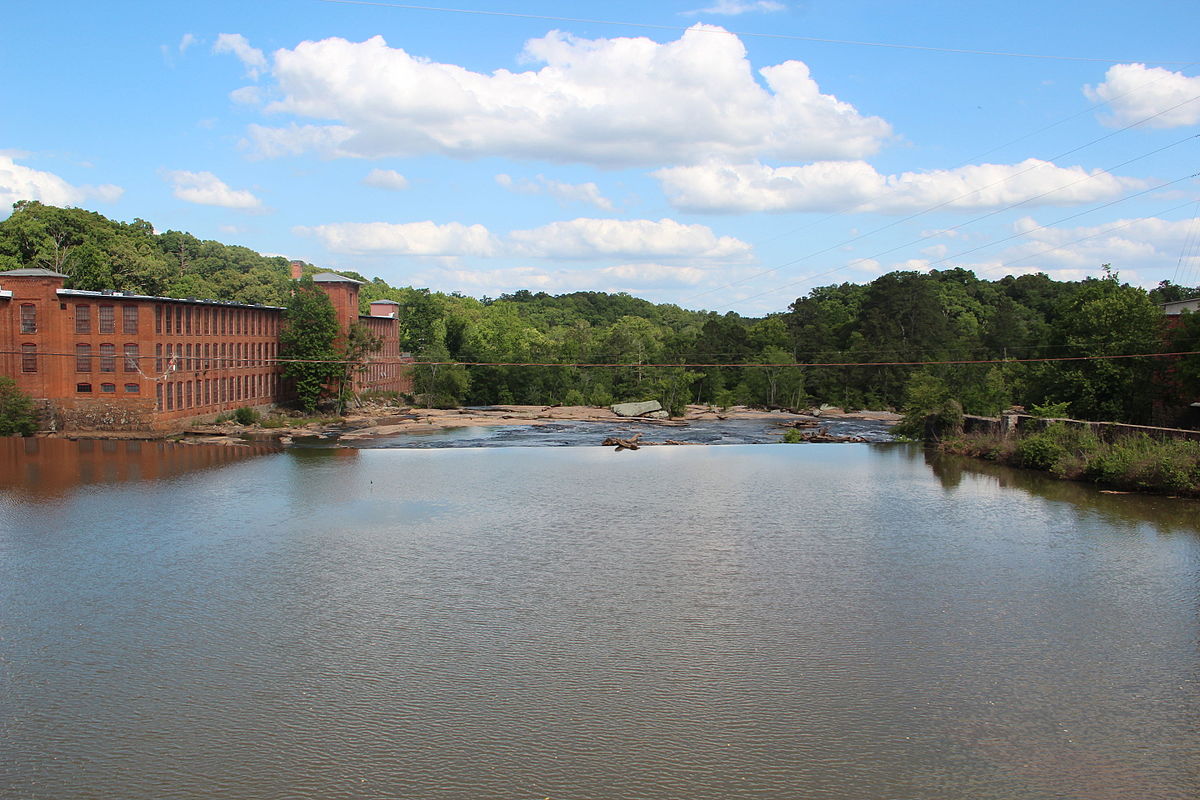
x=307, y=343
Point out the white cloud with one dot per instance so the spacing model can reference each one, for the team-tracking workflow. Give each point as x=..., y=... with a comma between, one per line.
x=587, y=193
x=386, y=179
x=246, y=96
x=252, y=58
x=1135, y=92
x=186, y=41
x=409, y=238
x=857, y=186
x=611, y=102
x=1136, y=243
x=636, y=238
x=575, y=239
x=18, y=182
x=733, y=8
x=207, y=189
x=644, y=277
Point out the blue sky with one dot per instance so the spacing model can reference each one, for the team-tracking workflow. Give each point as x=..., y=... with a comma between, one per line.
x=710, y=153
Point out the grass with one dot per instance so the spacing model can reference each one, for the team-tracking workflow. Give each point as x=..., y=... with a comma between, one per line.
x=1134, y=463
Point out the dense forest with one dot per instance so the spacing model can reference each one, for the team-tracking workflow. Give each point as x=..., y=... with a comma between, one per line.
x=869, y=331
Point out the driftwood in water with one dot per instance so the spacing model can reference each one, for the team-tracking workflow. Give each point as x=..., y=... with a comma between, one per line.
x=800, y=423
x=623, y=444
x=822, y=435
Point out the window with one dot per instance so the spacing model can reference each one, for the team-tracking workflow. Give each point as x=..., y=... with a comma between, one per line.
x=83, y=319
x=131, y=358
x=179, y=395
x=129, y=319
x=108, y=358
x=83, y=388
x=189, y=395
x=188, y=320
x=133, y=388
x=167, y=313
x=178, y=321
x=83, y=359
x=158, y=359
x=170, y=395
x=28, y=318
x=108, y=388
x=158, y=397
x=187, y=359
x=108, y=321
x=158, y=319
x=29, y=358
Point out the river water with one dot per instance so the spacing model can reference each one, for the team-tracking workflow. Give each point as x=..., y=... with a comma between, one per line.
x=696, y=623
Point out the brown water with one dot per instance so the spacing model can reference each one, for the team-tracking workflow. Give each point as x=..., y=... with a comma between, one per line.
x=770, y=621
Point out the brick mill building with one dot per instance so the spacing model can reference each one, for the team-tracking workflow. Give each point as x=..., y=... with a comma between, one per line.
x=122, y=361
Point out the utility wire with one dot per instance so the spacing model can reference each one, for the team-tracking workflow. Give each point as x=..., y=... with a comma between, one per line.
x=723, y=31
x=945, y=203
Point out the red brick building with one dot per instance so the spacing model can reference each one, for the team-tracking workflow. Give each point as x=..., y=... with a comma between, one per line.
x=121, y=361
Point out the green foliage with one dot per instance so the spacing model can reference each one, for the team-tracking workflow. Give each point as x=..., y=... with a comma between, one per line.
x=306, y=343
x=793, y=436
x=1051, y=410
x=17, y=413
x=246, y=416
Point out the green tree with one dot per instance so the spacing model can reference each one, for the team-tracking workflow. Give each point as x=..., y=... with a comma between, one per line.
x=17, y=413
x=307, y=343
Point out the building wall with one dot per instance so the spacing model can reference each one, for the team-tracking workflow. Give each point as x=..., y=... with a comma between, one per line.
x=113, y=361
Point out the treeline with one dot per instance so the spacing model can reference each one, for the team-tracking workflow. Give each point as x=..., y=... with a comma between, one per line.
x=891, y=328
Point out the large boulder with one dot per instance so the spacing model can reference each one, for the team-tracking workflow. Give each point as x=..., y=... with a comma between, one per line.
x=636, y=409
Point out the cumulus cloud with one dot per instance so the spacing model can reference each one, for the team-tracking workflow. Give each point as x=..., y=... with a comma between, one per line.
x=575, y=239
x=207, y=189
x=1134, y=92
x=247, y=95
x=408, y=238
x=610, y=102
x=1144, y=242
x=733, y=8
x=19, y=182
x=186, y=41
x=636, y=238
x=252, y=58
x=857, y=186
x=587, y=193
x=386, y=179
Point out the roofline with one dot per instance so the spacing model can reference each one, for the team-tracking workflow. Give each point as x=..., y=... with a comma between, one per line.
x=189, y=301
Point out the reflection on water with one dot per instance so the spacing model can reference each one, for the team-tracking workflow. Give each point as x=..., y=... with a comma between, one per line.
x=49, y=467
x=779, y=622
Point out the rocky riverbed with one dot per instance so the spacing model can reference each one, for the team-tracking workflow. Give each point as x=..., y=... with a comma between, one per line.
x=555, y=426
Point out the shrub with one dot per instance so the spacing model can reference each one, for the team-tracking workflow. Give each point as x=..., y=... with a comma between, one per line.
x=17, y=413
x=246, y=416
x=1050, y=410
x=793, y=436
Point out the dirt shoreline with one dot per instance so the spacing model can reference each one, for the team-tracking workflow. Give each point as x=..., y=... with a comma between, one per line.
x=376, y=422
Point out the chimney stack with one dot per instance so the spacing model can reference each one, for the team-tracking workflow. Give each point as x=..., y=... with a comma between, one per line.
x=297, y=270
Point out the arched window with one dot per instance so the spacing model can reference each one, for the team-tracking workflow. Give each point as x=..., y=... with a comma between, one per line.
x=129, y=319
x=83, y=319
x=83, y=359
x=108, y=388
x=108, y=320
x=28, y=318
x=133, y=388
x=131, y=358
x=108, y=357
x=29, y=358
x=83, y=388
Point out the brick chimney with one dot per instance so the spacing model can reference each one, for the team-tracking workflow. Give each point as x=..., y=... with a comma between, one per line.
x=297, y=270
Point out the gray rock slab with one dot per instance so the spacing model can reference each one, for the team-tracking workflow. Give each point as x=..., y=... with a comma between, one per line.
x=636, y=409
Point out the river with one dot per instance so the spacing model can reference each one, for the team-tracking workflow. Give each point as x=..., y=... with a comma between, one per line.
x=867, y=622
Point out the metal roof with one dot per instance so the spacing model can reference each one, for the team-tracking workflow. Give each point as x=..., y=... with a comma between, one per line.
x=333, y=277
x=384, y=302
x=32, y=272
x=112, y=295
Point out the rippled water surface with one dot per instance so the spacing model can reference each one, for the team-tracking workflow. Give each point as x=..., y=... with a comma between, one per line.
x=694, y=623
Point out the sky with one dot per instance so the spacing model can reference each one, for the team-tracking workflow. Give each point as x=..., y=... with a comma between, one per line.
x=727, y=155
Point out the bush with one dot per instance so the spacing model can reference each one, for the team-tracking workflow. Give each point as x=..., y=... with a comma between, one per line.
x=793, y=436
x=246, y=416
x=17, y=413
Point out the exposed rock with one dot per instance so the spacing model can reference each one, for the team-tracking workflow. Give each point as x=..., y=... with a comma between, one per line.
x=636, y=409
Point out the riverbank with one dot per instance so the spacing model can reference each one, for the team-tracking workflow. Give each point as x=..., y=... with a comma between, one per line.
x=373, y=423
x=1131, y=463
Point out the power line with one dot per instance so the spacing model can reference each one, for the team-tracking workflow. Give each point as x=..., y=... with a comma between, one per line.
x=754, y=34
x=945, y=203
